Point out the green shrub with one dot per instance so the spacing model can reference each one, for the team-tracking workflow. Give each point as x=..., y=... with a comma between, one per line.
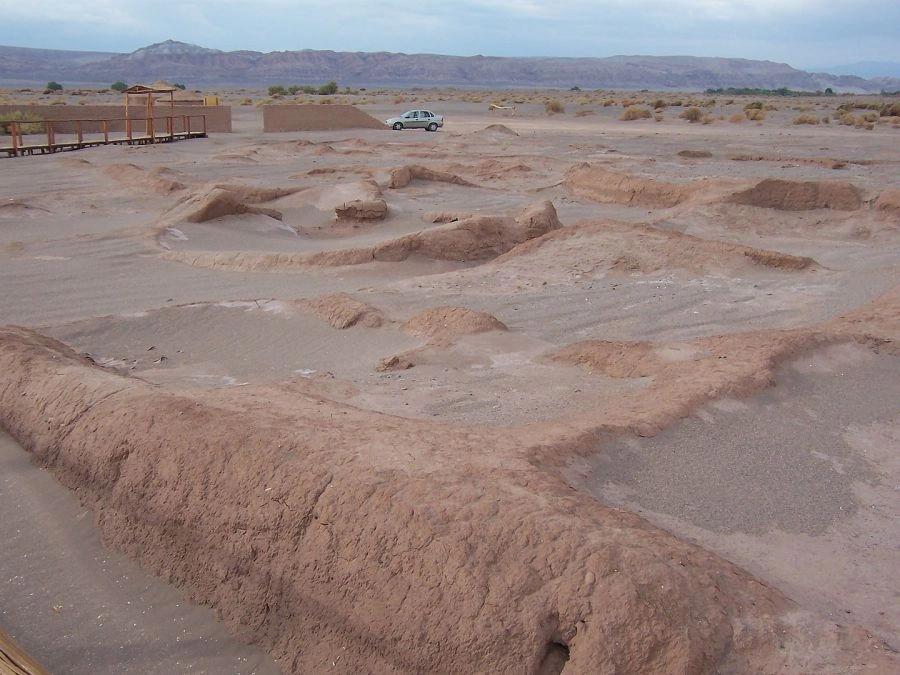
x=118, y=86
x=329, y=89
x=53, y=86
x=30, y=123
x=277, y=89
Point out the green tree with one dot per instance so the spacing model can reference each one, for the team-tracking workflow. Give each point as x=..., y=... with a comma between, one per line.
x=277, y=90
x=178, y=85
x=54, y=86
x=328, y=89
x=118, y=86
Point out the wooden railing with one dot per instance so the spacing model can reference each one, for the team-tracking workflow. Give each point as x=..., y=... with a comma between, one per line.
x=92, y=132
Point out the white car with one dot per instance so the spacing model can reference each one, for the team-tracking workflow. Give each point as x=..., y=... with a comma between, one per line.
x=416, y=119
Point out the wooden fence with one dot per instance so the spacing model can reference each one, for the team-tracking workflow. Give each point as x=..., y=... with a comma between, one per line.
x=31, y=137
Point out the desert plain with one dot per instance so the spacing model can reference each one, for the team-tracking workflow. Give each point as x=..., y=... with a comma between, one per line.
x=544, y=393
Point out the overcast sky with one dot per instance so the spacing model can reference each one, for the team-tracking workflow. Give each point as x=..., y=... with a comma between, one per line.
x=804, y=33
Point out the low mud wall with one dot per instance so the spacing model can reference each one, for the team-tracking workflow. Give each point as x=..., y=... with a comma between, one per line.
x=349, y=541
x=218, y=118
x=316, y=118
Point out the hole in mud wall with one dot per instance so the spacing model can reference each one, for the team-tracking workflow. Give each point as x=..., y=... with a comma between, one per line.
x=555, y=658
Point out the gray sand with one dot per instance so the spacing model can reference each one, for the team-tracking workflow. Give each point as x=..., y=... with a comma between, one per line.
x=80, y=608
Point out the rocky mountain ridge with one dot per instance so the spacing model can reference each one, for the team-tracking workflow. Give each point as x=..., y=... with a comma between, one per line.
x=179, y=61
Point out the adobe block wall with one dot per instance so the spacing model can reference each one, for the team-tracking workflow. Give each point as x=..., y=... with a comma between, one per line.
x=316, y=118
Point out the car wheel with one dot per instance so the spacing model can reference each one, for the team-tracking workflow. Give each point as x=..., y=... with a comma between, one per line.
x=432, y=126
x=398, y=126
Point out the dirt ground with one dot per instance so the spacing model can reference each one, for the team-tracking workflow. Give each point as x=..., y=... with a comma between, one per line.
x=543, y=393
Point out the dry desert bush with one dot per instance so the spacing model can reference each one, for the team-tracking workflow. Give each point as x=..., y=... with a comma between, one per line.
x=553, y=106
x=635, y=112
x=865, y=121
x=806, y=119
x=755, y=114
x=584, y=113
x=702, y=103
x=736, y=118
x=692, y=114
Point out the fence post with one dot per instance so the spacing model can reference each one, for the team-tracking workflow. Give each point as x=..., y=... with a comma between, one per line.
x=78, y=131
x=51, y=135
x=106, y=131
x=14, y=130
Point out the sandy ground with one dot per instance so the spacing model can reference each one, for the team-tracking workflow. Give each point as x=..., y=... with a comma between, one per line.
x=86, y=609
x=708, y=341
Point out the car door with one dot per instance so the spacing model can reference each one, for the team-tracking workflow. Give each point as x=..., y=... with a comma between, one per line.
x=412, y=120
x=425, y=118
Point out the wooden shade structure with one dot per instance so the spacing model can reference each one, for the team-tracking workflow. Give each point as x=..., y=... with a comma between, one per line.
x=148, y=90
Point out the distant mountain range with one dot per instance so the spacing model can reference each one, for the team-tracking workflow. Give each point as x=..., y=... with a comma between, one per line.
x=199, y=66
x=867, y=69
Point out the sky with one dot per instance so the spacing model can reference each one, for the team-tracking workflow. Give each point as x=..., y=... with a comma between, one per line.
x=806, y=34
